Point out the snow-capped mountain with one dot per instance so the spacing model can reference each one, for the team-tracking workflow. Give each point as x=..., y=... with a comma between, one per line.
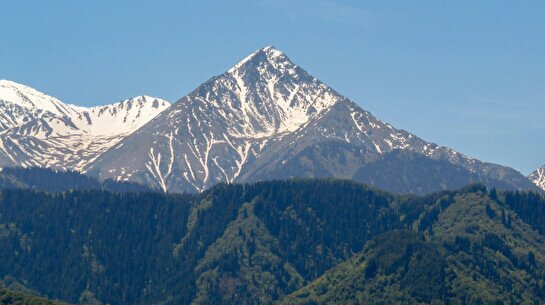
x=211, y=134
x=267, y=118
x=538, y=177
x=40, y=130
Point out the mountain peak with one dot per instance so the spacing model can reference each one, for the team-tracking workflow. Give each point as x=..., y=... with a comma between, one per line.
x=271, y=50
x=9, y=85
x=269, y=47
x=266, y=55
x=538, y=177
x=32, y=99
x=268, y=94
x=7, y=82
x=139, y=100
x=124, y=116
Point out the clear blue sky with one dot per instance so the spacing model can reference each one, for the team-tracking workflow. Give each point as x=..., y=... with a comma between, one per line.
x=464, y=74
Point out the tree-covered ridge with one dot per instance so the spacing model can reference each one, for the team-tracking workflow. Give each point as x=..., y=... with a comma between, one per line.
x=473, y=251
x=63, y=244
x=144, y=248
x=9, y=297
x=16, y=298
x=287, y=241
x=51, y=180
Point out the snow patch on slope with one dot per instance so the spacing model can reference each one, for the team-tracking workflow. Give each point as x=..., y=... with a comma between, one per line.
x=538, y=177
x=31, y=99
x=39, y=130
x=122, y=117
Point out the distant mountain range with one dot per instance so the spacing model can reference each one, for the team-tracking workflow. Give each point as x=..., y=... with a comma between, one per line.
x=265, y=118
x=40, y=130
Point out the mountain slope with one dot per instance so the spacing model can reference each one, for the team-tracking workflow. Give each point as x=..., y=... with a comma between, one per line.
x=297, y=241
x=469, y=254
x=267, y=118
x=8, y=297
x=40, y=130
x=149, y=248
x=210, y=135
x=50, y=180
x=538, y=177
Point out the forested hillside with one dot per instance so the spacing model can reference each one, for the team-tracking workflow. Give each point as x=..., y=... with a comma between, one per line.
x=16, y=298
x=17, y=294
x=51, y=180
x=474, y=251
x=295, y=241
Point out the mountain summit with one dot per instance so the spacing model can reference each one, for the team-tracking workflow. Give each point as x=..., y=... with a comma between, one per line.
x=538, y=177
x=267, y=118
x=268, y=94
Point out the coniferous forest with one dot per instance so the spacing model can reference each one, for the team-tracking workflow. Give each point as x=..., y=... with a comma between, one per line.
x=50, y=180
x=286, y=242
